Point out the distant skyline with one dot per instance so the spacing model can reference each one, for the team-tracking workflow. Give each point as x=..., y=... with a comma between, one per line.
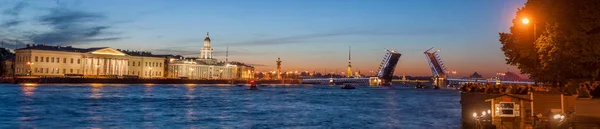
x=308, y=35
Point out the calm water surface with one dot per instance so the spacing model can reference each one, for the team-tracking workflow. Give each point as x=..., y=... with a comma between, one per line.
x=214, y=106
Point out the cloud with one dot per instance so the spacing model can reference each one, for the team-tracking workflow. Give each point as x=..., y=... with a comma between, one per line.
x=13, y=15
x=12, y=44
x=15, y=10
x=197, y=52
x=360, y=32
x=11, y=23
x=258, y=65
x=292, y=39
x=71, y=26
x=176, y=52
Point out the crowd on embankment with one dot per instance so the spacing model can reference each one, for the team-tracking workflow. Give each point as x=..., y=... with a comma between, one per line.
x=582, y=90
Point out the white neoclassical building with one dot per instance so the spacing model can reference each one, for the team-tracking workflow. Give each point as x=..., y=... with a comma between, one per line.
x=43, y=60
x=206, y=67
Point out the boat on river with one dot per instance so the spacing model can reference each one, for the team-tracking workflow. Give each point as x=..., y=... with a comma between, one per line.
x=348, y=86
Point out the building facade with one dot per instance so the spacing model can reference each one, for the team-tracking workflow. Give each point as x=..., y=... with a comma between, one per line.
x=58, y=61
x=206, y=67
x=43, y=60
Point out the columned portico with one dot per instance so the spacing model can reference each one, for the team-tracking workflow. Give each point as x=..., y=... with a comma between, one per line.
x=99, y=65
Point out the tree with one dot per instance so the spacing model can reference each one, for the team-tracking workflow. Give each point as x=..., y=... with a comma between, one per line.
x=566, y=44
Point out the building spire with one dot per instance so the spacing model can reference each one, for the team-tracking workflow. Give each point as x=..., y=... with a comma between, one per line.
x=226, y=54
x=207, y=34
x=349, y=71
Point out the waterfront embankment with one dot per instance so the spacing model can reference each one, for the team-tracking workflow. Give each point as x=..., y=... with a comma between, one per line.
x=143, y=81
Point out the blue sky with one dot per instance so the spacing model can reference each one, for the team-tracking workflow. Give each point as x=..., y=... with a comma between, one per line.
x=308, y=35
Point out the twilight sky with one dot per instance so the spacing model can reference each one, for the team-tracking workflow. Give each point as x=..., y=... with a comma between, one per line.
x=311, y=35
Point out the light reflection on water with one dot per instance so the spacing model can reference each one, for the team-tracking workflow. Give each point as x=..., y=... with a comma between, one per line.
x=206, y=106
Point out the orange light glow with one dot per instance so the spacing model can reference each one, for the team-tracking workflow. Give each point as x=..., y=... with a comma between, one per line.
x=96, y=84
x=525, y=21
x=28, y=89
x=29, y=84
x=148, y=84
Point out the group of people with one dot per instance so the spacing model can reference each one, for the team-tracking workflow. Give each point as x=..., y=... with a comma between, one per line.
x=583, y=90
x=588, y=90
x=490, y=88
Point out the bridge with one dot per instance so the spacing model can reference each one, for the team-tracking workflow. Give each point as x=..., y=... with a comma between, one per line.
x=384, y=75
x=388, y=65
x=440, y=75
x=437, y=66
x=459, y=81
x=334, y=80
x=351, y=80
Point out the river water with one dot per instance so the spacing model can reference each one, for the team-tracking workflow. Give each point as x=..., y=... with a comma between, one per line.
x=225, y=106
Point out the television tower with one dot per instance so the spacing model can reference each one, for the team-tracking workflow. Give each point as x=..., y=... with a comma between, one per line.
x=349, y=72
x=278, y=68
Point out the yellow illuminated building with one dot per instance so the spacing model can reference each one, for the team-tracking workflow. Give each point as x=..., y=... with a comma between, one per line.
x=43, y=60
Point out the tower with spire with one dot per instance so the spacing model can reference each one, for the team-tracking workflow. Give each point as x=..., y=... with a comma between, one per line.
x=206, y=51
x=349, y=72
x=278, y=68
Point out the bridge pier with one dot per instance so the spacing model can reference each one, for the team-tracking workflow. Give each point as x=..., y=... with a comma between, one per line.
x=441, y=82
x=374, y=81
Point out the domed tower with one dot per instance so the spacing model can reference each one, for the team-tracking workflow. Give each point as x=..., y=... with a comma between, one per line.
x=206, y=51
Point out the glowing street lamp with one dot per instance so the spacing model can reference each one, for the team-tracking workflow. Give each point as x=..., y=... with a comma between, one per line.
x=29, y=65
x=525, y=21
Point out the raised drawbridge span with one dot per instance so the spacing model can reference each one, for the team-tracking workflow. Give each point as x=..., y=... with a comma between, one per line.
x=384, y=73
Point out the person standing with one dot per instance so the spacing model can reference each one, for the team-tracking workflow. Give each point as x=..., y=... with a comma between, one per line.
x=583, y=91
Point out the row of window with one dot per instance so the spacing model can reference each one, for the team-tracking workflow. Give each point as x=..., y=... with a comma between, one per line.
x=64, y=60
x=146, y=73
x=152, y=73
x=55, y=60
x=55, y=71
x=148, y=64
x=22, y=59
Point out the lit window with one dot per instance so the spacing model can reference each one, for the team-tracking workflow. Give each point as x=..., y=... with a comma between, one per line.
x=36, y=59
x=507, y=109
x=47, y=59
x=71, y=60
x=78, y=61
x=64, y=60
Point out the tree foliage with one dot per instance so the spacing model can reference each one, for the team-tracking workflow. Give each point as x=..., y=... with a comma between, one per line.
x=566, y=44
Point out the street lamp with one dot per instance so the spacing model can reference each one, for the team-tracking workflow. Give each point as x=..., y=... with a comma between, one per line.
x=221, y=74
x=526, y=21
x=97, y=70
x=191, y=72
x=29, y=70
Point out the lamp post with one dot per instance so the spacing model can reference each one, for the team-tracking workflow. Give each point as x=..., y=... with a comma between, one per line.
x=221, y=74
x=29, y=69
x=97, y=70
x=191, y=72
x=527, y=21
x=150, y=71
